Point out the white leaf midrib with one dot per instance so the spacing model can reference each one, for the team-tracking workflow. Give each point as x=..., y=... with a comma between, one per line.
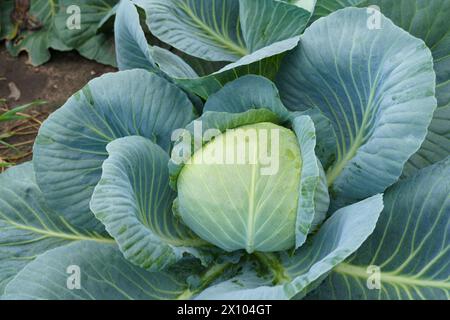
x=56, y=234
x=225, y=41
x=394, y=279
x=250, y=243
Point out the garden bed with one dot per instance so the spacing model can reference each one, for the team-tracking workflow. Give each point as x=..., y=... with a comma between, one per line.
x=22, y=83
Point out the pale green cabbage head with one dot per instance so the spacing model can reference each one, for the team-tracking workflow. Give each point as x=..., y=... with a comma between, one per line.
x=260, y=190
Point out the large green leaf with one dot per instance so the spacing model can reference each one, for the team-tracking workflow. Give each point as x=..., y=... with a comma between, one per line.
x=71, y=145
x=325, y=7
x=171, y=64
x=104, y=275
x=86, y=39
x=410, y=247
x=267, y=21
x=437, y=143
x=264, y=62
x=44, y=27
x=92, y=13
x=28, y=227
x=133, y=51
x=223, y=30
x=246, y=93
x=99, y=48
x=283, y=276
x=38, y=35
x=133, y=199
x=429, y=21
x=205, y=29
x=380, y=106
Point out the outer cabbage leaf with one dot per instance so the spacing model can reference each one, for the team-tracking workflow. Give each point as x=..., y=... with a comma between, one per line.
x=133, y=51
x=99, y=48
x=39, y=34
x=133, y=199
x=414, y=16
x=409, y=251
x=71, y=145
x=266, y=21
x=223, y=30
x=321, y=200
x=246, y=93
x=326, y=136
x=205, y=29
x=264, y=62
x=325, y=7
x=376, y=86
x=285, y=277
x=28, y=227
x=171, y=64
x=45, y=27
x=305, y=131
x=87, y=39
x=105, y=275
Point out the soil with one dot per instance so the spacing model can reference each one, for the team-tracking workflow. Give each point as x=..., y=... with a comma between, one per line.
x=54, y=82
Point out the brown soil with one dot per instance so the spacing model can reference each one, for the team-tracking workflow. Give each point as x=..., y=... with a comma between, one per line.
x=54, y=82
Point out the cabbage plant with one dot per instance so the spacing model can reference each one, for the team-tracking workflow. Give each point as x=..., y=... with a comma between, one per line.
x=38, y=26
x=341, y=192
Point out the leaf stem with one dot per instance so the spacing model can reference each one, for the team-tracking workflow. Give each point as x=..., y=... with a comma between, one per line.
x=207, y=278
x=272, y=263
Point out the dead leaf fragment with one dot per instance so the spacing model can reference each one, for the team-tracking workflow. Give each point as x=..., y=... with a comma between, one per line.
x=14, y=91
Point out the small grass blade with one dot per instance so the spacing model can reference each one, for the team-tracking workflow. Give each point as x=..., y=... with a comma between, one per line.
x=6, y=164
x=14, y=114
